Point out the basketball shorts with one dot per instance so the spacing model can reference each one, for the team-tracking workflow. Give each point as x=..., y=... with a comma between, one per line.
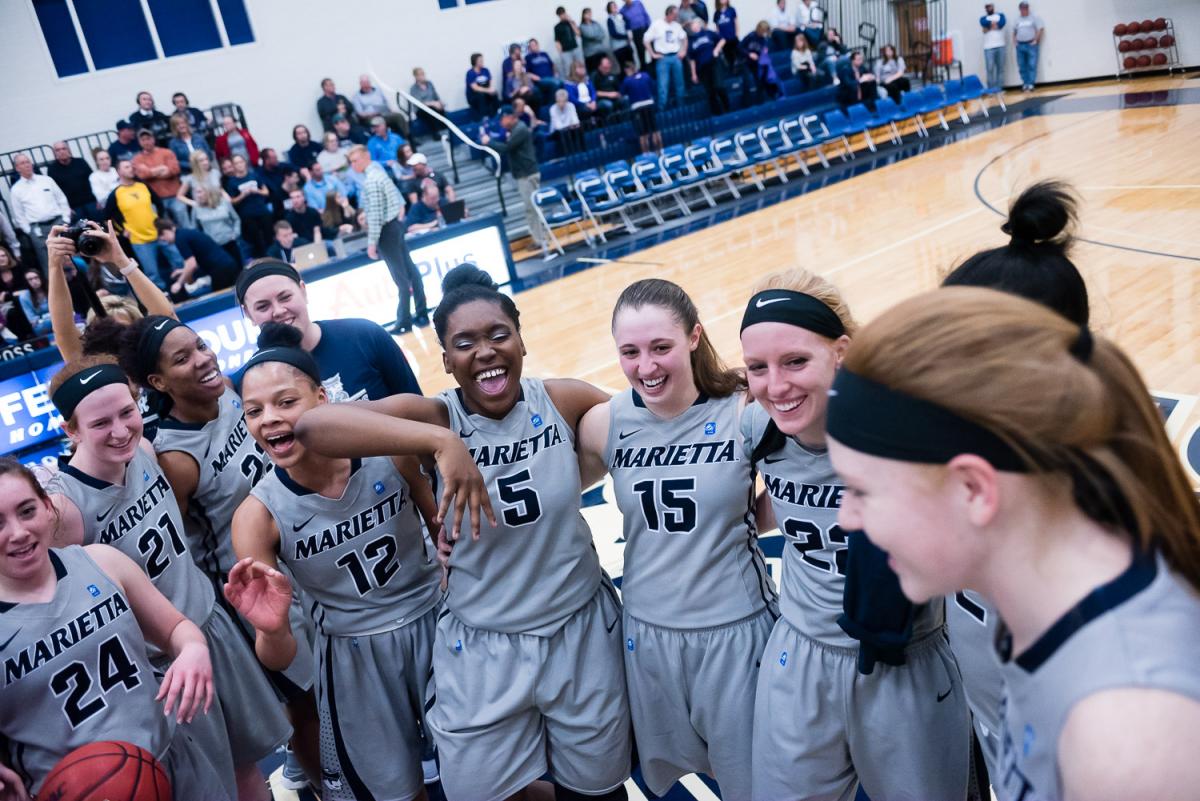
x=296, y=679
x=821, y=728
x=513, y=707
x=255, y=722
x=193, y=775
x=691, y=695
x=370, y=697
x=645, y=121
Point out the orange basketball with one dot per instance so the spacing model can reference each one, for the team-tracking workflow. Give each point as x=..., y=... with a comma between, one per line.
x=1133, y=27
x=1143, y=61
x=1119, y=29
x=112, y=770
x=1160, y=24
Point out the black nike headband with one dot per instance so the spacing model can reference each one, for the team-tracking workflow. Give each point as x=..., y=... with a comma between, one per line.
x=261, y=269
x=793, y=308
x=67, y=397
x=869, y=417
x=151, y=340
x=302, y=360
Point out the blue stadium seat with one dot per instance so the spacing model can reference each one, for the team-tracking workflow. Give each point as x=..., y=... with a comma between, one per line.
x=652, y=176
x=911, y=105
x=887, y=112
x=727, y=154
x=837, y=126
x=973, y=89
x=674, y=162
x=752, y=145
x=599, y=200
x=629, y=190
x=954, y=97
x=777, y=142
x=555, y=211
x=802, y=139
x=699, y=155
x=860, y=121
x=933, y=101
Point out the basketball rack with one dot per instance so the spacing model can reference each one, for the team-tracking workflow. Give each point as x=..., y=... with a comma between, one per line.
x=1139, y=48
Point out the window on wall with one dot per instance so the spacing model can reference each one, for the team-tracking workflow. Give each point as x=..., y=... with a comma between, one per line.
x=87, y=35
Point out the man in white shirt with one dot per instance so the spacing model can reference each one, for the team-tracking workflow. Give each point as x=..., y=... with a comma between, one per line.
x=666, y=43
x=810, y=18
x=783, y=27
x=37, y=206
x=993, y=44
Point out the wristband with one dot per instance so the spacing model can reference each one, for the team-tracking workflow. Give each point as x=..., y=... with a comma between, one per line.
x=130, y=267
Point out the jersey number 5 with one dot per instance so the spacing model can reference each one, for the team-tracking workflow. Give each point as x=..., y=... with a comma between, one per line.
x=523, y=504
x=114, y=668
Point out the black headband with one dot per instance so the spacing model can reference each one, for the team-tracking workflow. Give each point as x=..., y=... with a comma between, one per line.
x=877, y=420
x=302, y=360
x=151, y=340
x=262, y=269
x=793, y=308
x=84, y=383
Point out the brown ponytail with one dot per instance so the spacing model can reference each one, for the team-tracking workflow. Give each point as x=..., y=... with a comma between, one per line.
x=712, y=376
x=1006, y=363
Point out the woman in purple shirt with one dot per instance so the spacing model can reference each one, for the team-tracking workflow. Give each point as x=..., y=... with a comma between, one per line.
x=481, y=93
x=725, y=18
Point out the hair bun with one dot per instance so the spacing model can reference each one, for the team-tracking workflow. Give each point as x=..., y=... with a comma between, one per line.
x=1041, y=213
x=466, y=274
x=279, y=335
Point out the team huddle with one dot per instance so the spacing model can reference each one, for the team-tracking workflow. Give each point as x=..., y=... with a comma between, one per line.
x=990, y=573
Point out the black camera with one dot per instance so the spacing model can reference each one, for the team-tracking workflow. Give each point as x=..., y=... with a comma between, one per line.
x=89, y=246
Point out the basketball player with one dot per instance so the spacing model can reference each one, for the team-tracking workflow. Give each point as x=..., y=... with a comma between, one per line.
x=698, y=601
x=74, y=624
x=211, y=463
x=1035, y=265
x=358, y=359
x=821, y=727
x=112, y=491
x=1051, y=488
x=350, y=535
x=530, y=679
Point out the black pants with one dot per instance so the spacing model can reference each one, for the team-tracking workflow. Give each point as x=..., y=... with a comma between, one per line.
x=258, y=230
x=435, y=125
x=639, y=45
x=901, y=84
x=394, y=251
x=231, y=247
x=707, y=73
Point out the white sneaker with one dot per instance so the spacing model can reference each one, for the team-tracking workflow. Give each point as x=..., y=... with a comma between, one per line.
x=201, y=284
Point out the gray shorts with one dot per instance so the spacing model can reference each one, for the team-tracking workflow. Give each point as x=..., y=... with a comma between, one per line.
x=512, y=707
x=193, y=775
x=254, y=720
x=691, y=695
x=370, y=695
x=821, y=727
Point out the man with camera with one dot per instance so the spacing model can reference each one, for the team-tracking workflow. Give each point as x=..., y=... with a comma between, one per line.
x=37, y=205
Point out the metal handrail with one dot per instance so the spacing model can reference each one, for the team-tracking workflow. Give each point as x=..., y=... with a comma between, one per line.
x=403, y=97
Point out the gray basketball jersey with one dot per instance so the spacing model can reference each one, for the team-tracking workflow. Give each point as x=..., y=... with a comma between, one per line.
x=362, y=560
x=531, y=572
x=972, y=625
x=805, y=495
x=230, y=463
x=685, y=488
x=75, y=672
x=141, y=519
x=1139, y=630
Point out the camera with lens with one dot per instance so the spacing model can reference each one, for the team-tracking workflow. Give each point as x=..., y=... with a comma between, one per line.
x=86, y=245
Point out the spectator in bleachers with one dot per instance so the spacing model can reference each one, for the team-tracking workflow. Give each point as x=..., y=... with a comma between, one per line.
x=520, y=84
x=285, y=241
x=333, y=158
x=594, y=38
x=125, y=146
x=566, y=40
x=757, y=49
x=319, y=185
x=158, y=168
x=235, y=141
x=104, y=178
x=666, y=45
x=213, y=213
x=638, y=89
x=207, y=267
x=564, y=123
x=249, y=195
x=637, y=22
x=582, y=92
x=506, y=67
x=424, y=90
x=401, y=169
x=184, y=142
x=339, y=217
x=8, y=234
x=725, y=18
x=608, y=88
x=523, y=163
x=810, y=20
x=226, y=166
x=994, y=46
x=148, y=117
x=525, y=114
x=890, y=69
x=540, y=67
x=855, y=83
x=35, y=303
x=11, y=280
x=804, y=66
x=620, y=41
x=704, y=48
x=303, y=219
x=482, y=94
x=200, y=173
x=304, y=150
x=38, y=204
x=829, y=54
x=783, y=26
x=422, y=172
x=383, y=144
x=426, y=214
x=690, y=10
x=327, y=103
x=71, y=175
x=134, y=208
x=275, y=174
x=369, y=102
x=195, y=116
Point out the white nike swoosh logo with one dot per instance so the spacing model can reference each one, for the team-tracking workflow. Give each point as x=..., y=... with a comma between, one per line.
x=90, y=377
x=767, y=302
x=263, y=352
x=159, y=327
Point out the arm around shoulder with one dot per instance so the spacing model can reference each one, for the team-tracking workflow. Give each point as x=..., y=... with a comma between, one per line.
x=573, y=398
x=591, y=440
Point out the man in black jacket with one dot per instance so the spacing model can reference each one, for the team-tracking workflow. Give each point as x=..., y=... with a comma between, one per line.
x=71, y=175
x=147, y=116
